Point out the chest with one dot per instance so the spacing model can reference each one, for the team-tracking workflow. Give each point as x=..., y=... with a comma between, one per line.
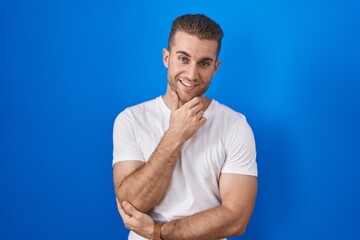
x=203, y=154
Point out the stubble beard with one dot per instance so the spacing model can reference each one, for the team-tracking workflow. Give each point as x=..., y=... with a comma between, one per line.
x=183, y=99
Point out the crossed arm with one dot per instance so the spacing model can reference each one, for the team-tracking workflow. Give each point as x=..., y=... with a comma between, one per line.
x=238, y=194
x=144, y=184
x=140, y=186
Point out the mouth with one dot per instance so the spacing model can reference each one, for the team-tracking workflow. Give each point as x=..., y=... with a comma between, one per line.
x=187, y=85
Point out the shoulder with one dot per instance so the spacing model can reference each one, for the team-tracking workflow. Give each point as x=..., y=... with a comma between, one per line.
x=229, y=123
x=149, y=105
x=140, y=109
x=135, y=113
x=226, y=114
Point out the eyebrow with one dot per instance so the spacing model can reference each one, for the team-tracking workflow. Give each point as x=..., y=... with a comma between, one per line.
x=188, y=55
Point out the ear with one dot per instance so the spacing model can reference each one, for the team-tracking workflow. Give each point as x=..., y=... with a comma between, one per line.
x=216, y=67
x=166, y=54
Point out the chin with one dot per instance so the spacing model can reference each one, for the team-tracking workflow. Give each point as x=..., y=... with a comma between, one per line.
x=186, y=98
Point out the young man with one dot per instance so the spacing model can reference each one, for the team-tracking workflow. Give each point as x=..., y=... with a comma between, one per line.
x=184, y=165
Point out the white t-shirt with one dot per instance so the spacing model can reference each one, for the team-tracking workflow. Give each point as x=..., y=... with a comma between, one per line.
x=224, y=144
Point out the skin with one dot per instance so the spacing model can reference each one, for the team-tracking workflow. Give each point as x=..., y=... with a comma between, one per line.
x=191, y=64
x=191, y=61
x=144, y=184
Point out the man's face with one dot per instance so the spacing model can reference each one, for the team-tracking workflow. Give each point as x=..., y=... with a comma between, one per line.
x=191, y=65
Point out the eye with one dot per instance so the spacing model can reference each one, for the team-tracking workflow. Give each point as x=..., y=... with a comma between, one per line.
x=204, y=64
x=183, y=59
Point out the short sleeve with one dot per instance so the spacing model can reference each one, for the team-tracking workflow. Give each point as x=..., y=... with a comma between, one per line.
x=240, y=150
x=125, y=146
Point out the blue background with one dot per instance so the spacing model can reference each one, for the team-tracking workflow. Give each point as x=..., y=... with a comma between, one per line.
x=67, y=68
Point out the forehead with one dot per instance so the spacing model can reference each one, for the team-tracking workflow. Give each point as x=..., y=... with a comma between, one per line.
x=197, y=48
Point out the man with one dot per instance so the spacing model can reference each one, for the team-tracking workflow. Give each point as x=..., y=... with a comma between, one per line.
x=184, y=165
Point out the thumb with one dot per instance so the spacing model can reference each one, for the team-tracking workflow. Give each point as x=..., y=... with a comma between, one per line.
x=175, y=102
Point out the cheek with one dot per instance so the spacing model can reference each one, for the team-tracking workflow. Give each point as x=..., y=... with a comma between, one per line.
x=207, y=76
x=173, y=71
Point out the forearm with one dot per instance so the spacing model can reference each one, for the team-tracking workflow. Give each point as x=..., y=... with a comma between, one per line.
x=145, y=187
x=215, y=223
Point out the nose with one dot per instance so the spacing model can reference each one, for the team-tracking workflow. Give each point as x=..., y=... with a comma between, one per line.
x=193, y=72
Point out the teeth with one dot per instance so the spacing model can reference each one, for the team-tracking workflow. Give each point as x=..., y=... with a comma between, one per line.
x=187, y=84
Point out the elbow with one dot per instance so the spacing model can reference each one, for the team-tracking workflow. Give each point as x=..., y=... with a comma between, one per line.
x=120, y=194
x=123, y=194
x=237, y=229
x=240, y=230
x=237, y=222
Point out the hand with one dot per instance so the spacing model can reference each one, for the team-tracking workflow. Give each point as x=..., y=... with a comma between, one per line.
x=136, y=221
x=187, y=119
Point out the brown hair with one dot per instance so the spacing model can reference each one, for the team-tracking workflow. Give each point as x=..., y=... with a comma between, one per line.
x=198, y=25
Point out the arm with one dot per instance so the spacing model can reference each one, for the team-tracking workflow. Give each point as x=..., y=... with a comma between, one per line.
x=143, y=185
x=238, y=193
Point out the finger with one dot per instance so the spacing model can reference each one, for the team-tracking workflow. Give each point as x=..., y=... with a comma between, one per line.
x=202, y=121
x=125, y=217
x=123, y=208
x=130, y=210
x=120, y=209
x=197, y=108
x=200, y=114
x=175, y=101
x=193, y=102
x=127, y=220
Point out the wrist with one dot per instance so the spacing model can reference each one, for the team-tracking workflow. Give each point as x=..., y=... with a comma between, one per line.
x=173, y=139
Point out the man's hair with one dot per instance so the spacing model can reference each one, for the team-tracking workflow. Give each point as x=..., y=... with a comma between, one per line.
x=197, y=25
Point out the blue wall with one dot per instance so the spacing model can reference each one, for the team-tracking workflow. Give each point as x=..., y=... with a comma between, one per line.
x=67, y=68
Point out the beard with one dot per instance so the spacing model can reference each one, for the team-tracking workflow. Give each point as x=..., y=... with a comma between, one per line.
x=186, y=95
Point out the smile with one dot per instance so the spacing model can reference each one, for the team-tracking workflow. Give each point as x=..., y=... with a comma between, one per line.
x=186, y=84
